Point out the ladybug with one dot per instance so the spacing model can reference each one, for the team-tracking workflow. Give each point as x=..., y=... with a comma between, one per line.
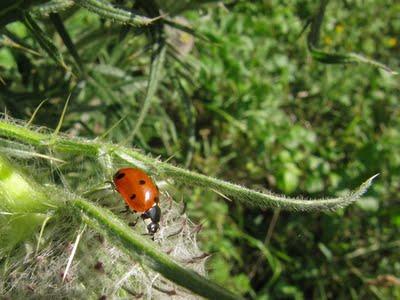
x=140, y=194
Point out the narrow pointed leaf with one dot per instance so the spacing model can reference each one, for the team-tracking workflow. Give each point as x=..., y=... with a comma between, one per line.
x=59, y=25
x=44, y=41
x=107, y=10
x=335, y=58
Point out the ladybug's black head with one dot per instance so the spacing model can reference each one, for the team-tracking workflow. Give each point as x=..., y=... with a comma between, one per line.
x=153, y=227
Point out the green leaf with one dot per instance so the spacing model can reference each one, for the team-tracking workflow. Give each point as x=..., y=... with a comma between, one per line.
x=59, y=25
x=346, y=58
x=44, y=41
x=108, y=11
x=157, y=62
x=335, y=58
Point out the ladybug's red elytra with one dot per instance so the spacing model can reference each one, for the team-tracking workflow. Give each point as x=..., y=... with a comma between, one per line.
x=140, y=194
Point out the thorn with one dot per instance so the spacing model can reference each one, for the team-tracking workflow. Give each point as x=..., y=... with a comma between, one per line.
x=183, y=210
x=35, y=112
x=30, y=287
x=129, y=291
x=177, y=232
x=197, y=258
x=168, y=251
x=113, y=127
x=162, y=16
x=71, y=257
x=198, y=228
x=165, y=291
x=62, y=116
x=169, y=158
x=373, y=177
x=222, y=195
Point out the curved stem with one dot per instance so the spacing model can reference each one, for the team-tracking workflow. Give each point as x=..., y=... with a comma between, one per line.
x=146, y=252
x=246, y=196
x=107, y=10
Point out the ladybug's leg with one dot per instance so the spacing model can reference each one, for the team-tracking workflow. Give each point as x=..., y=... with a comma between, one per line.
x=126, y=210
x=184, y=206
x=133, y=224
x=145, y=215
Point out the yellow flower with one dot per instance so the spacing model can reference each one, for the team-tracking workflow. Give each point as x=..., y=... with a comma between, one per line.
x=328, y=40
x=392, y=42
x=339, y=28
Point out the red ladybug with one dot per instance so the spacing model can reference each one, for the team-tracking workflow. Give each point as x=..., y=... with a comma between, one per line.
x=140, y=194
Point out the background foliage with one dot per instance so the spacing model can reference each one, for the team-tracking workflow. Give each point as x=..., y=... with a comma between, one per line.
x=248, y=103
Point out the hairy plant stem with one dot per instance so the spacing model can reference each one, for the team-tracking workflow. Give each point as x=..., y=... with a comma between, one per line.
x=94, y=148
x=106, y=10
x=147, y=253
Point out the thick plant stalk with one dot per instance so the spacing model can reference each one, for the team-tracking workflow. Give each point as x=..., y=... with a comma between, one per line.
x=246, y=196
x=147, y=253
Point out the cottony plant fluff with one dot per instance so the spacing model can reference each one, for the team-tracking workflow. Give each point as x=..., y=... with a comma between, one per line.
x=47, y=251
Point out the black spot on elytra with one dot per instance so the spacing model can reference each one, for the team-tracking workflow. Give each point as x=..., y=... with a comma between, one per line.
x=133, y=196
x=119, y=175
x=141, y=182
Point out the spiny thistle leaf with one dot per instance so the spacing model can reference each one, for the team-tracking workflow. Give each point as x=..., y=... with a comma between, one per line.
x=154, y=78
x=59, y=25
x=51, y=7
x=108, y=11
x=44, y=41
x=345, y=58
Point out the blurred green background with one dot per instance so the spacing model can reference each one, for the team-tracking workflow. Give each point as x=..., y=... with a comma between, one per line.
x=243, y=100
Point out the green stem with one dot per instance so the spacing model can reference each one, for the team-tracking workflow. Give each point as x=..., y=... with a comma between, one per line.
x=336, y=57
x=51, y=7
x=247, y=196
x=108, y=11
x=141, y=249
